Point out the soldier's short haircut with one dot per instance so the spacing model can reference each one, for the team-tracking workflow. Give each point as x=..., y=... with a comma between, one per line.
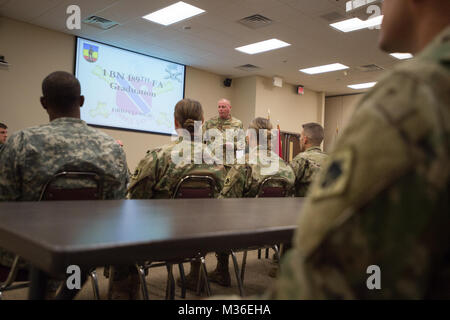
x=3, y=126
x=314, y=132
x=186, y=112
x=61, y=89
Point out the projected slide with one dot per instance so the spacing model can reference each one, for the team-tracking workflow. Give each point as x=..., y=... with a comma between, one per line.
x=127, y=90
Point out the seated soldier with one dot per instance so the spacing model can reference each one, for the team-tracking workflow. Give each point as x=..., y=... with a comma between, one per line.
x=32, y=156
x=245, y=180
x=158, y=174
x=307, y=163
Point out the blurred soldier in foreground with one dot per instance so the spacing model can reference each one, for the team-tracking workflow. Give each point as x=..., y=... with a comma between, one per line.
x=307, y=163
x=376, y=221
x=32, y=156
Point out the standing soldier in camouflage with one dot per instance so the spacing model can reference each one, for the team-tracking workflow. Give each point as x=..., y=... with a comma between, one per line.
x=307, y=163
x=245, y=180
x=3, y=135
x=224, y=122
x=382, y=198
x=32, y=156
x=158, y=174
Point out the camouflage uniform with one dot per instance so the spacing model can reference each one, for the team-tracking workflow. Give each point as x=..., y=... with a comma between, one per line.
x=382, y=196
x=244, y=180
x=223, y=125
x=306, y=165
x=32, y=156
x=156, y=176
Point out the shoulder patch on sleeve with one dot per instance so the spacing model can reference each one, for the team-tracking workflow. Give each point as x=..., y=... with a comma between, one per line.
x=335, y=175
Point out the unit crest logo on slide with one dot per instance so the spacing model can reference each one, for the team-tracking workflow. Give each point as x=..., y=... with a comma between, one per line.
x=90, y=52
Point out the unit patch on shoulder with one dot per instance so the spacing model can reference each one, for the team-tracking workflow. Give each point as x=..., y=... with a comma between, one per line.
x=334, y=176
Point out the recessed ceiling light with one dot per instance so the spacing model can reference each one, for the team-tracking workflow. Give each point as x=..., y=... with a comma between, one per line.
x=402, y=56
x=356, y=24
x=263, y=46
x=325, y=68
x=362, y=85
x=173, y=13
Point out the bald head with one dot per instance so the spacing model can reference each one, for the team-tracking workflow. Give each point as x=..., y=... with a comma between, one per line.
x=409, y=25
x=61, y=94
x=224, y=108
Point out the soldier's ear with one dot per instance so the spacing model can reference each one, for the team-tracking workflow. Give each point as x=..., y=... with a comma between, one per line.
x=81, y=101
x=43, y=102
x=177, y=124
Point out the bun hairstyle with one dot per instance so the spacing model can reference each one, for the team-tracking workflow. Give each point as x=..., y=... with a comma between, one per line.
x=188, y=111
x=262, y=124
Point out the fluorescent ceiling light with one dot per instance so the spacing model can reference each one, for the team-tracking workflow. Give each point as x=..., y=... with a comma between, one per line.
x=402, y=56
x=263, y=46
x=362, y=85
x=173, y=13
x=325, y=68
x=356, y=24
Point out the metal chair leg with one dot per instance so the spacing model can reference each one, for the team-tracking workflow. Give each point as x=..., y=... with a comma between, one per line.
x=170, y=288
x=94, y=282
x=183, y=280
x=12, y=274
x=141, y=273
x=236, y=271
x=244, y=263
x=204, y=275
x=39, y=281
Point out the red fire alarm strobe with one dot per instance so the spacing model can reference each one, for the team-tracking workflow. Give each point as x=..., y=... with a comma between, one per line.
x=300, y=90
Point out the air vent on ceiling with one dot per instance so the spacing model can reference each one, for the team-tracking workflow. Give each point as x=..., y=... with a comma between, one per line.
x=248, y=67
x=332, y=16
x=370, y=67
x=255, y=21
x=100, y=22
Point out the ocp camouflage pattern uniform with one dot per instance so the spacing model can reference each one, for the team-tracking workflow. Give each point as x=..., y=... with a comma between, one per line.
x=33, y=155
x=222, y=125
x=306, y=165
x=382, y=197
x=157, y=175
x=244, y=180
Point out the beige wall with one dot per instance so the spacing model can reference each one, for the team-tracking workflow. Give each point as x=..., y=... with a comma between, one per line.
x=244, y=99
x=286, y=106
x=338, y=111
x=33, y=52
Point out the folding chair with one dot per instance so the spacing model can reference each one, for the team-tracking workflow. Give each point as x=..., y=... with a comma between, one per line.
x=189, y=187
x=274, y=187
x=51, y=191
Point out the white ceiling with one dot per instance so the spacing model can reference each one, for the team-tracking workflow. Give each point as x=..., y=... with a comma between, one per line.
x=209, y=43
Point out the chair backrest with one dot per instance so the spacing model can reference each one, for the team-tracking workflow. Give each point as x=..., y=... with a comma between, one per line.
x=195, y=186
x=273, y=187
x=77, y=186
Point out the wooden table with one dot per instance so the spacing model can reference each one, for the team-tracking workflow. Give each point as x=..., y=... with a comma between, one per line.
x=55, y=234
